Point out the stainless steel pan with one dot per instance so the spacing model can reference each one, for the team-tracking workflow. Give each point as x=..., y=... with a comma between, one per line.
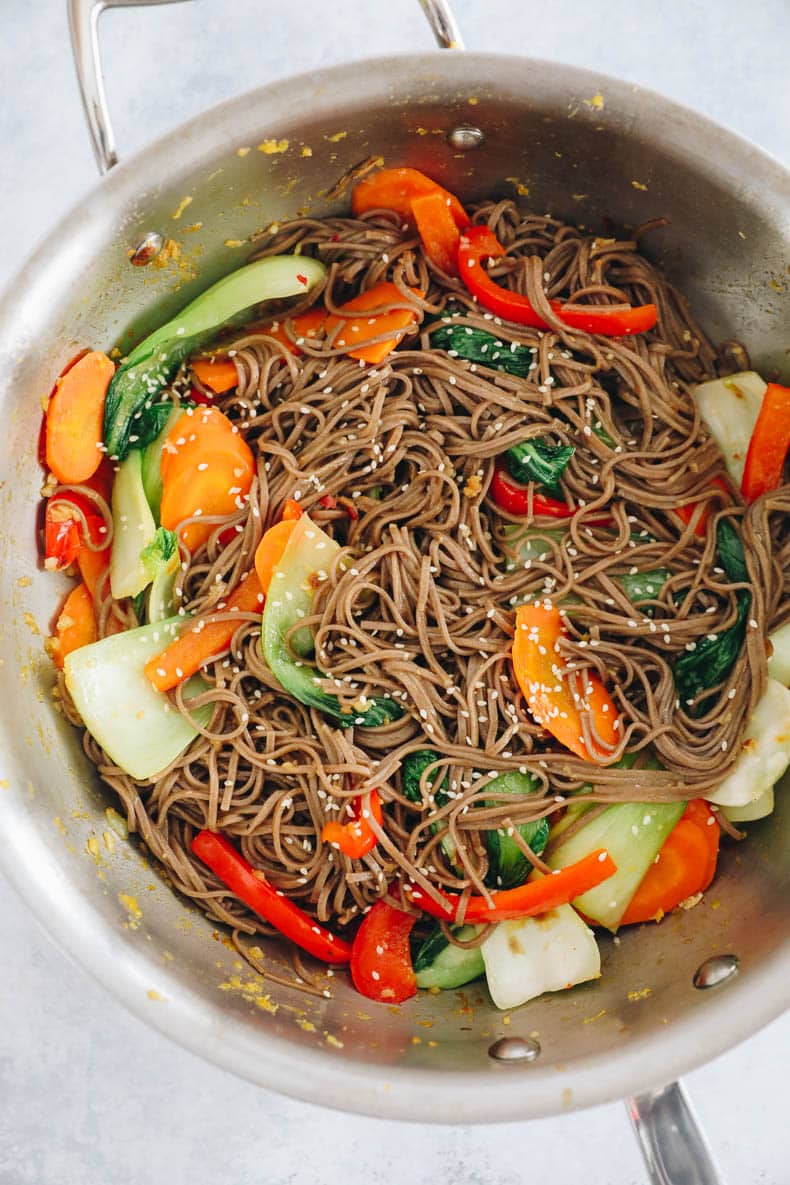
x=481, y=124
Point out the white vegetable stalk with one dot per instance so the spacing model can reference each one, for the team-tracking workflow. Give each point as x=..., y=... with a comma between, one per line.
x=135, y=724
x=730, y=407
x=530, y=956
x=764, y=753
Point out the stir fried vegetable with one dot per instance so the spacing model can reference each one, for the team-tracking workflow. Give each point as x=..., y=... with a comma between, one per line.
x=154, y=361
x=575, y=707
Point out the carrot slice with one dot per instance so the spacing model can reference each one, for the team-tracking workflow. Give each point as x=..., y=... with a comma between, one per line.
x=76, y=625
x=198, y=643
x=545, y=684
x=75, y=416
x=270, y=550
x=194, y=437
x=354, y=332
x=440, y=236
x=395, y=189
x=291, y=509
x=685, y=866
x=93, y=566
x=218, y=374
x=215, y=490
x=308, y=325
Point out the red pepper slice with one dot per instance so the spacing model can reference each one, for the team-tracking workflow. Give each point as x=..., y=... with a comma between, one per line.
x=381, y=966
x=478, y=243
x=534, y=897
x=512, y=496
x=63, y=528
x=269, y=903
x=686, y=512
x=768, y=446
x=356, y=838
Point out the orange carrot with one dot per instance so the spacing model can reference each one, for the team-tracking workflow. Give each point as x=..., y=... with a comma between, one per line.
x=270, y=550
x=308, y=325
x=93, y=566
x=440, y=236
x=198, y=432
x=207, y=467
x=354, y=332
x=199, y=643
x=291, y=509
x=395, y=189
x=76, y=625
x=218, y=374
x=216, y=490
x=75, y=417
x=685, y=866
x=548, y=688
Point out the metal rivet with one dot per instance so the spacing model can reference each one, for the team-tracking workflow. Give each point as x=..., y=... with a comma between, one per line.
x=716, y=970
x=515, y=1049
x=147, y=249
x=465, y=137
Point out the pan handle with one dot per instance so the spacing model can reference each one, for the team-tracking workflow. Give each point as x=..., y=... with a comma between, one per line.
x=84, y=25
x=673, y=1145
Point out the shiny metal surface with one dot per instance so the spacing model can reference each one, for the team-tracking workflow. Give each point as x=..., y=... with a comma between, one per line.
x=671, y=1140
x=515, y=1049
x=465, y=137
x=642, y=1023
x=715, y=971
x=147, y=249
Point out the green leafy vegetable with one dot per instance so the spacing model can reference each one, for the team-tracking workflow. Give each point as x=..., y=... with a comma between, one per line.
x=414, y=765
x=151, y=423
x=508, y=866
x=308, y=554
x=438, y=963
x=153, y=362
x=475, y=345
x=643, y=586
x=151, y=467
x=714, y=656
x=133, y=529
x=731, y=554
x=537, y=460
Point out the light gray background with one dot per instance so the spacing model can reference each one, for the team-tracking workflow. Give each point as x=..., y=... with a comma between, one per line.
x=88, y=1096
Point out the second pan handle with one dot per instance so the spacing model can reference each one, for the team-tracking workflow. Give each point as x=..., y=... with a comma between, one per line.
x=84, y=25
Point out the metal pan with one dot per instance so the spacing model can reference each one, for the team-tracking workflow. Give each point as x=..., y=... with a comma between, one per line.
x=482, y=124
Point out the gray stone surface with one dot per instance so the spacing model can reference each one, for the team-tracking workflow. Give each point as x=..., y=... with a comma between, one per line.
x=88, y=1095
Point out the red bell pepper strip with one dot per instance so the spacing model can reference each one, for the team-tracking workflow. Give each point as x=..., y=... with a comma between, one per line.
x=381, y=966
x=685, y=866
x=63, y=520
x=513, y=496
x=685, y=512
x=478, y=243
x=768, y=446
x=535, y=897
x=269, y=903
x=356, y=838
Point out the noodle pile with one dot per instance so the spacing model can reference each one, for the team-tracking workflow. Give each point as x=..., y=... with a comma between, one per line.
x=419, y=604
